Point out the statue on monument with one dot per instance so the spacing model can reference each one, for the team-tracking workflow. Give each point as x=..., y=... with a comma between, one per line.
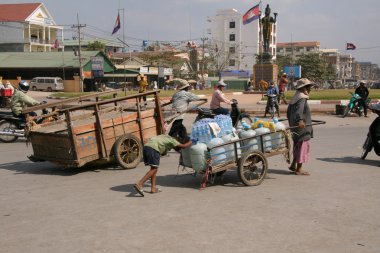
x=266, y=24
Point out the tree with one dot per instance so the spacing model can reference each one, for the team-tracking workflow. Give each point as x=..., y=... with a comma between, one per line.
x=313, y=67
x=166, y=59
x=217, y=61
x=96, y=46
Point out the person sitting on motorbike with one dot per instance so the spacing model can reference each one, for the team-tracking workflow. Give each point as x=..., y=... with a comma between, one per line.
x=181, y=100
x=217, y=98
x=272, y=90
x=20, y=100
x=363, y=92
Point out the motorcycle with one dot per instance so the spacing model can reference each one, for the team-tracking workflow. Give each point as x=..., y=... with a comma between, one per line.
x=373, y=137
x=11, y=127
x=271, y=105
x=236, y=115
x=355, y=105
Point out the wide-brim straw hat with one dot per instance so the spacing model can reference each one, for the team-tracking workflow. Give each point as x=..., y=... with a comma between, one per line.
x=181, y=84
x=304, y=82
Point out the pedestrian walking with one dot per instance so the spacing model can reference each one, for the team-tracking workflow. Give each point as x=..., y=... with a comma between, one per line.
x=156, y=147
x=299, y=118
x=282, y=88
x=142, y=88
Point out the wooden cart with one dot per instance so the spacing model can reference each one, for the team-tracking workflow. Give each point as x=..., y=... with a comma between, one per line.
x=251, y=163
x=99, y=130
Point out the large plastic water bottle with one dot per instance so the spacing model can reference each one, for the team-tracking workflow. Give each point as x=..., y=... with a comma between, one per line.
x=186, y=160
x=250, y=144
x=278, y=138
x=230, y=149
x=198, y=155
x=267, y=140
x=218, y=155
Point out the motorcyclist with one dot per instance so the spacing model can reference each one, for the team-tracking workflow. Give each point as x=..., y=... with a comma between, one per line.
x=20, y=100
x=363, y=92
x=272, y=90
x=217, y=98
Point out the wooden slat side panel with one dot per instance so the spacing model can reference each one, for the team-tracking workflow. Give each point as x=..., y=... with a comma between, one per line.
x=111, y=120
x=52, y=147
x=87, y=144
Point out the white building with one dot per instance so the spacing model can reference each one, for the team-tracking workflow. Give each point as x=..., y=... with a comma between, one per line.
x=28, y=27
x=237, y=44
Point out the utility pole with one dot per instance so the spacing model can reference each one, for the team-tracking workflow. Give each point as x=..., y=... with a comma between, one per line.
x=203, y=57
x=79, y=27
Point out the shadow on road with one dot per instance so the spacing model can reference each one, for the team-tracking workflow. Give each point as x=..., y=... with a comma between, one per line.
x=190, y=181
x=350, y=159
x=47, y=168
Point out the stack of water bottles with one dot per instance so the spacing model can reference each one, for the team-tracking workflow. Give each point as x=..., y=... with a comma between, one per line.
x=201, y=131
x=204, y=138
x=225, y=124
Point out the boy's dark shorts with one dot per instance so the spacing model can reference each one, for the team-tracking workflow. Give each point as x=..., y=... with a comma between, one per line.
x=151, y=157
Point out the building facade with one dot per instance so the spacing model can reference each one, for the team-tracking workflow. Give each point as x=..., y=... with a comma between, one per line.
x=28, y=27
x=295, y=49
x=236, y=44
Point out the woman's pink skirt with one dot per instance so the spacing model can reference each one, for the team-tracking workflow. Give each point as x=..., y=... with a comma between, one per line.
x=301, y=151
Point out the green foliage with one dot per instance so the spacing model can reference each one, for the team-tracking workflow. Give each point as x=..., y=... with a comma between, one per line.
x=315, y=68
x=312, y=66
x=96, y=46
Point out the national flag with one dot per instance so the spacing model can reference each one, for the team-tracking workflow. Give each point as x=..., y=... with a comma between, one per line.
x=252, y=14
x=117, y=24
x=350, y=46
x=56, y=44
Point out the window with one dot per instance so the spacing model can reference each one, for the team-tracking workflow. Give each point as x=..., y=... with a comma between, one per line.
x=232, y=50
x=232, y=37
x=232, y=62
x=232, y=24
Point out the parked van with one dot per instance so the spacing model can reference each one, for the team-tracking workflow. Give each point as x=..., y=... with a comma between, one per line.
x=47, y=83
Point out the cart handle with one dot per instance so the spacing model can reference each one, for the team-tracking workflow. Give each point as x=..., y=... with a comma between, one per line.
x=314, y=122
x=171, y=119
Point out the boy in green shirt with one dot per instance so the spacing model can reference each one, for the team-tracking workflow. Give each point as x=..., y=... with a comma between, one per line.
x=153, y=150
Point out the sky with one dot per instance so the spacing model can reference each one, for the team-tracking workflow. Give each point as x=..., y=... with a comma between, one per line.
x=331, y=22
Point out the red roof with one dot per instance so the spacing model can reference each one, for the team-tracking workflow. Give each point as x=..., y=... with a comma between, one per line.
x=17, y=12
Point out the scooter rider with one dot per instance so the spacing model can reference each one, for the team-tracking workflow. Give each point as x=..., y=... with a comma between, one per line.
x=272, y=90
x=363, y=92
x=181, y=100
x=217, y=98
x=20, y=100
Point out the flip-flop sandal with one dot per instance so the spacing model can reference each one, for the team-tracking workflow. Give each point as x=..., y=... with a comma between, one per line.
x=302, y=173
x=158, y=190
x=292, y=169
x=138, y=190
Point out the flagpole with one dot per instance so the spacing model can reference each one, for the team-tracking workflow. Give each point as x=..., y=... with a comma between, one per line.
x=125, y=78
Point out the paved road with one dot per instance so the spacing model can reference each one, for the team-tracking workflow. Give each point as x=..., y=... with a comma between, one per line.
x=44, y=208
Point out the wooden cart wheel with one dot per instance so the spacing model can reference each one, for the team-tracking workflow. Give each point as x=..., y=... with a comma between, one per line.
x=253, y=167
x=128, y=151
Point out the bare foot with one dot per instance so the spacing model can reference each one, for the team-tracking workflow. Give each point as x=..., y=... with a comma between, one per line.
x=302, y=173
